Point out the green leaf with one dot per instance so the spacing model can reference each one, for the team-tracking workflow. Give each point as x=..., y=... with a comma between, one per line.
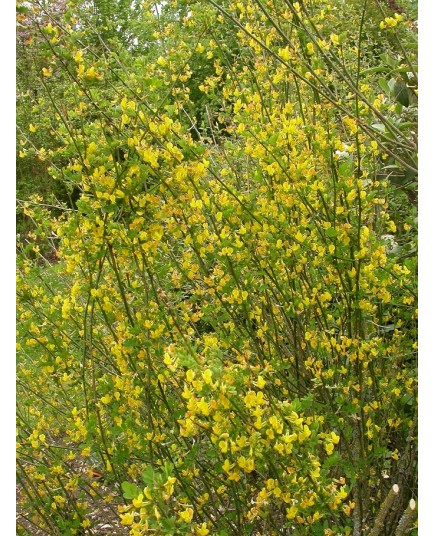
x=169, y=525
x=332, y=461
x=186, y=360
x=388, y=60
x=130, y=343
x=387, y=329
x=391, y=84
x=407, y=124
x=384, y=86
x=155, y=82
x=379, y=126
x=398, y=108
x=200, y=150
x=378, y=69
x=272, y=139
x=346, y=168
x=131, y=491
x=148, y=476
x=331, y=232
x=407, y=399
x=167, y=470
x=400, y=92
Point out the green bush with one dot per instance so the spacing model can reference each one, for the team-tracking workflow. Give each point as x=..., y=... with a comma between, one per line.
x=227, y=341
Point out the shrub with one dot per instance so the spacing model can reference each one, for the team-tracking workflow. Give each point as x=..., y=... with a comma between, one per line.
x=227, y=342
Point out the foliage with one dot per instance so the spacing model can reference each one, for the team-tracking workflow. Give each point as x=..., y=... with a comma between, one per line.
x=227, y=334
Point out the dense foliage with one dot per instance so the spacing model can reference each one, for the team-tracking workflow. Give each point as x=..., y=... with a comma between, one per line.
x=217, y=267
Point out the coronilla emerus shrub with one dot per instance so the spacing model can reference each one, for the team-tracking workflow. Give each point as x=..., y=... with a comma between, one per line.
x=222, y=339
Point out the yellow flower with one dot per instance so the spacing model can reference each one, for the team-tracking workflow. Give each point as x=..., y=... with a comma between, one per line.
x=284, y=54
x=330, y=448
x=242, y=441
x=90, y=73
x=334, y=39
x=247, y=464
x=271, y=483
x=291, y=512
x=342, y=493
x=202, y=530
x=186, y=515
x=235, y=476
x=127, y=519
x=395, y=454
x=260, y=382
x=138, y=503
x=169, y=487
x=207, y=376
x=223, y=445
x=227, y=466
x=335, y=438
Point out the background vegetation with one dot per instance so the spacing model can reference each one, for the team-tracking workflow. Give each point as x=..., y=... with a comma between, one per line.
x=217, y=236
